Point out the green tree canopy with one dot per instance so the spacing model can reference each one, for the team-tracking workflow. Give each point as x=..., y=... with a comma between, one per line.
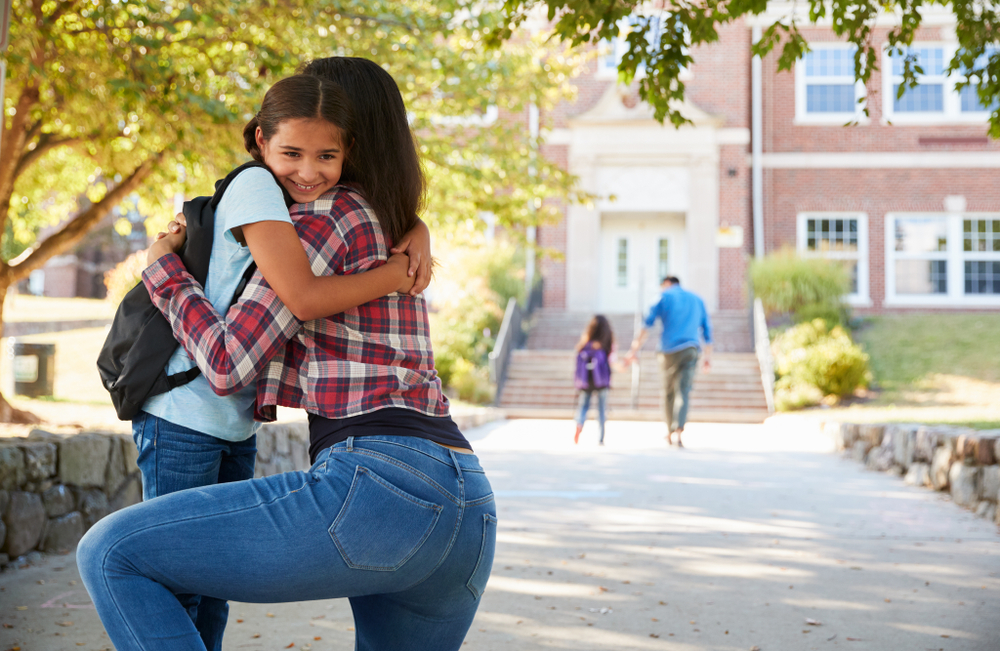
x=106, y=98
x=660, y=36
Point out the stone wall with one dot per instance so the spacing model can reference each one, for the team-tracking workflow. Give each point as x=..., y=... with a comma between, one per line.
x=960, y=461
x=53, y=487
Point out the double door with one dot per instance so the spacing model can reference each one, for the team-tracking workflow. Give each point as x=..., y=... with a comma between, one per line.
x=636, y=253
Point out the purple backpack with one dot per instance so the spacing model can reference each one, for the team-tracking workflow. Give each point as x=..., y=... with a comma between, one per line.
x=592, y=369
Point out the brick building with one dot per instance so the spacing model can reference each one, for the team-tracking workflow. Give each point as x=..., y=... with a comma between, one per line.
x=907, y=197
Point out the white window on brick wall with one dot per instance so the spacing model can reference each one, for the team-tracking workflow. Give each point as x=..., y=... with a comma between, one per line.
x=842, y=237
x=941, y=259
x=611, y=52
x=935, y=99
x=825, y=89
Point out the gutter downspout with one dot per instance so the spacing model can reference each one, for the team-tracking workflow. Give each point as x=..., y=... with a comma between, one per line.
x=756, y=150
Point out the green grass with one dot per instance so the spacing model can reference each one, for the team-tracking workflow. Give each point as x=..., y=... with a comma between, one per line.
x=21, y=307
x=905, y=350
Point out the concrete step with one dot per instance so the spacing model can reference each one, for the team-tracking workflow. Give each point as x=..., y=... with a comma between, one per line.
x=695, y=415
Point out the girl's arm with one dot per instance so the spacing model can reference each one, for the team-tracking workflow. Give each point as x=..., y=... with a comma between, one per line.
x=278, y=252
x=232, y=350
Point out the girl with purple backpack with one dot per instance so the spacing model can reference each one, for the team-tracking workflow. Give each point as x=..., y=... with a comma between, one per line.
x=594, y=352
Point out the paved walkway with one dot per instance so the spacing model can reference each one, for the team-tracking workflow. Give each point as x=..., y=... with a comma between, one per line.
x=752, y=536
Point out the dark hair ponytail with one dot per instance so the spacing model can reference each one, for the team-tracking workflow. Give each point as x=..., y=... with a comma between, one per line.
x=383, y=162
x=299, y=97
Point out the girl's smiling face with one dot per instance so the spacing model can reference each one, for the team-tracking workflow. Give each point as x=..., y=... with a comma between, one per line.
x=307, y=156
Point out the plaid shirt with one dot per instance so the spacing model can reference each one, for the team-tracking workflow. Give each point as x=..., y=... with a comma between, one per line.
x=367, y=358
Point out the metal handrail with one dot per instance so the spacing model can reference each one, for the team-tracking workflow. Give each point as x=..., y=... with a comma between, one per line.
x=507, y=339
x=762, y=346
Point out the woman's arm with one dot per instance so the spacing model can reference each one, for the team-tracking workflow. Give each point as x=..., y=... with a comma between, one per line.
x=279, y=255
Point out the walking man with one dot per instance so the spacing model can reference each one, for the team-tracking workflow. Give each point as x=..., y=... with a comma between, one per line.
x=685, y=330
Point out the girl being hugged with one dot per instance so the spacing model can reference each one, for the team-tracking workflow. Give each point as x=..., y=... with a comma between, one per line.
x=396, y=513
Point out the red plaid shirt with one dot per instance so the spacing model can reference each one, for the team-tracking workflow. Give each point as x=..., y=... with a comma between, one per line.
x=370, y=357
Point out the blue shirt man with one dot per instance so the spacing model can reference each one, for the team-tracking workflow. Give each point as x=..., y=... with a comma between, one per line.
x=686, y=330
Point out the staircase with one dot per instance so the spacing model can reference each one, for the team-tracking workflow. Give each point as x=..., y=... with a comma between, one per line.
x=539, y=381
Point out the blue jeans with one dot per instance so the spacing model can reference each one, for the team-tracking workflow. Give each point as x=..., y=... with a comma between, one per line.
x=174, y=458
x=678, y=375
x=583, y=406
x=403, y=527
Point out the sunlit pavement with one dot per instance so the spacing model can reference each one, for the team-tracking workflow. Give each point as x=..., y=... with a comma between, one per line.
x=749, y=536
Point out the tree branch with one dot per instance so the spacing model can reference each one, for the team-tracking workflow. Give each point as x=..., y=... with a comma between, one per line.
x=76, y=228
x=45, y=143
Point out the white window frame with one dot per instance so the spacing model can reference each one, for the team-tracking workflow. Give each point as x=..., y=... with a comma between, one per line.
x=952, y=102
x=803, y=116
x=861, y=298
x=955, y=257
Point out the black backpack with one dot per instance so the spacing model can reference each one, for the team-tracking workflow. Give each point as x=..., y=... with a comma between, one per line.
x=133, y=359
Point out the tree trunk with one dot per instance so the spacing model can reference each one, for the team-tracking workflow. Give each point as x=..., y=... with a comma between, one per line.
x=8, y=413
x=57, y=243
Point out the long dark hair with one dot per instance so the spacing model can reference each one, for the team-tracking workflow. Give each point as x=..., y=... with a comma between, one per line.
x=383, y=162
x=299, y=97
x=599, y=331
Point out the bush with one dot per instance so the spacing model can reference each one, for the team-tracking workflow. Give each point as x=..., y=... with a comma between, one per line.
x=124, y=276
x=812, y=354
x=805, y=288
x=470, y=382
x=470, y=296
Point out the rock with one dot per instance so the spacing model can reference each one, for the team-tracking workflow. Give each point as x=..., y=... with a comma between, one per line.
x=38, y=486
x=965, y=447
x=927, y=440
x=904, y=440
x=25, y=519
x=115, y=472
x=872, y=434
x=986, y=510
x=129, y=493
x=919, y=474
x=265, y=444
x=83, y=459
x=940, y=467
x=880, y=459
x=991, y=512
x=58, y=501
x=964, y=481
x=996, y=450
x=859, y=450
x=283, y=464
x=281, y=445
x=4, y=559
x=39, y=460
x=985, y=451
x=300, y=455
x=12, y=475
x=130, y=453
x=63, y=533
x=989, y=485
x=4, y=501
x=3, y=534
x=93, y=504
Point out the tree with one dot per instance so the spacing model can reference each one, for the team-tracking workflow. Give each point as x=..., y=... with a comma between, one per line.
x=659, y=36
x=106, y=99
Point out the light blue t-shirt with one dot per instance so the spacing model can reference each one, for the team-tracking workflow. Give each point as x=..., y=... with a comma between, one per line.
x=253, y=196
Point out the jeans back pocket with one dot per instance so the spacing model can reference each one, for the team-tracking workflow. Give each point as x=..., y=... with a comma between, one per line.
x=480, y=575
x=381, y=526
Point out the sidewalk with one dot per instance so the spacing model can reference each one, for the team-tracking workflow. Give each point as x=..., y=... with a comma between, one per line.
x=736, y=541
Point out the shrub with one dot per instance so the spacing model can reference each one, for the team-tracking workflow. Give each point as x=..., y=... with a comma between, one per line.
x=811, y=354
x=804, y=287
x=470, y=296
x=471, y=382
x=124, y=276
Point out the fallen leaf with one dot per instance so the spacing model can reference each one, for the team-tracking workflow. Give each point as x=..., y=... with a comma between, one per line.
x=945, y=636
x=290, y=645
x=830, y=639
x=888, y=601
x=22, y=607
x=654, y=635
x=239, y=621
x=855, y=567
x=272, y=615
x=317, y=638
x=854, y=639
x=654, y=619
x=66, y=623
x=602, y=588
x=255, y=635
x=8, y=626
x=626, y=582
x=755, y=648
x=813, y=622
x=663, y=603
